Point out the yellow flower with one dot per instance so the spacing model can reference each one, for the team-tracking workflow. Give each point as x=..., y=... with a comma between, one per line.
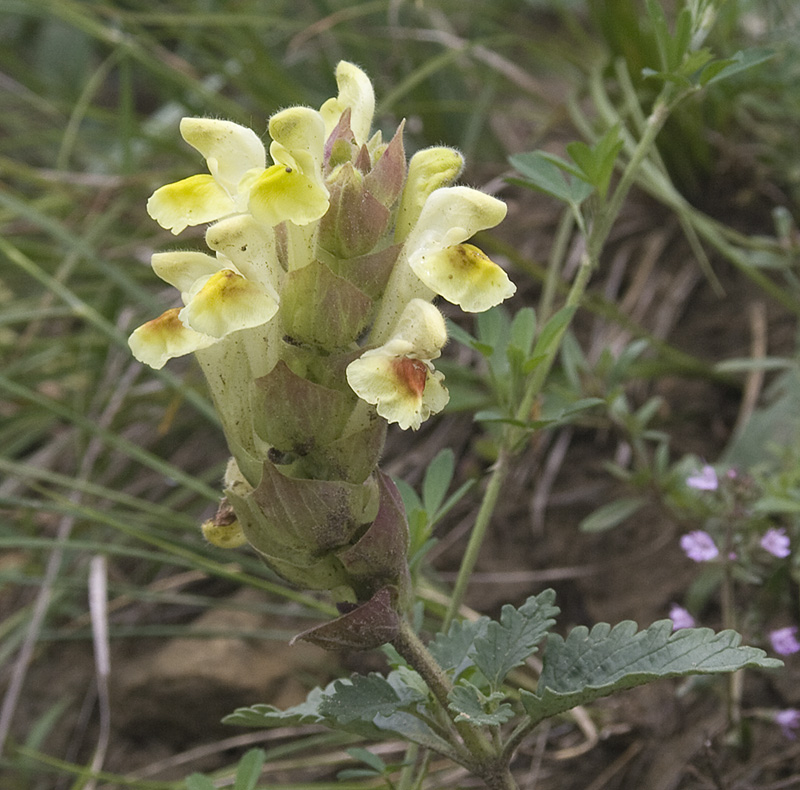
x=293, y=188
x=165, y=337
x=225, y=294
x=429, y=169
x=233, y=153
x=237, y=289
x=398, y=377
x=239, y=180
x=459, y=272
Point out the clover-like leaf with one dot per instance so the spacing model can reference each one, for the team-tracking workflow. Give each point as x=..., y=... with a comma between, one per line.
x=592, y=664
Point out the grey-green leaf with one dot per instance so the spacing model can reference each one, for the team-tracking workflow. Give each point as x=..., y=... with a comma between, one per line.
x=452, y=650
x=475, y=707
x=508, y=643
x=265, y=716
x=612, y=514
x=361, y=698
x=592, y=664
x=199, y=782
x=544, y=173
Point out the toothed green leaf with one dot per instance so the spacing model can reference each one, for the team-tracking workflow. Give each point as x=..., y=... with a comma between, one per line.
x=361, y=698
x=506, y=644
x=592, y=664
x=452, y=651
x=475, y=707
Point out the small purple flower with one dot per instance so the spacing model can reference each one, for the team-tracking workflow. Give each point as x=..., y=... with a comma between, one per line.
x=699, y=546
x=680, y=617
x=704, y=480
x=784, y=640
x=789, y=721
x=776, y=542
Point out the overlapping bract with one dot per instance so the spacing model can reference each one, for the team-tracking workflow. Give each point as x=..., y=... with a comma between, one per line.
x=312, y=318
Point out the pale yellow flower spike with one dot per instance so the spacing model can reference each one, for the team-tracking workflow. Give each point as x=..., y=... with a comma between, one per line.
x=398, y=377
x=428, y=170
x=183, y=269
x=466, y=276
x=165, y=337
x=230, y=150
x=192, y=201
x=224, y=536
x=250, y=246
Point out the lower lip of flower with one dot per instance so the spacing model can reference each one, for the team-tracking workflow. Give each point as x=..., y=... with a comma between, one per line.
x=413, y=373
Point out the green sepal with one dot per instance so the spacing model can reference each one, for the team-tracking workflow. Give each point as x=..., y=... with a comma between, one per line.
x=370, y=272
x=321, y=309
x=387, y=176
x=298, y=415
x=356, y=220
x=380, y=556
x=325, y=514
x=355, y=455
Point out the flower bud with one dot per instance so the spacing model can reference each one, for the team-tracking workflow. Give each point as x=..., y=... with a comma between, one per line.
x=224, y=530
x=388, y=173
x=356, y=220
x=428, y=170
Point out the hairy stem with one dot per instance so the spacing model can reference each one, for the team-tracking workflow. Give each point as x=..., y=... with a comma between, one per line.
x=477, y=752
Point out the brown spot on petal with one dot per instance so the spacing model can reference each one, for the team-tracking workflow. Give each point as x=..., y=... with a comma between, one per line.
x=413, y=373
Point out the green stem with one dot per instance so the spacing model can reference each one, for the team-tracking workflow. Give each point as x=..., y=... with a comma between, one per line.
x=476, y=538
x=477, y=753
x=412, y=649
x=557, y=255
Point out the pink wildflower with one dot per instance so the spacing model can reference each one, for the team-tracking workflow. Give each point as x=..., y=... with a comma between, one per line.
x=776, y=542
x=784, y=640
x=680, y=617
x=699, y=546
x=789, y=721
x=704, y=480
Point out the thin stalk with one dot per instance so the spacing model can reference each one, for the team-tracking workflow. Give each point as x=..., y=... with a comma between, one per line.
x=476, y=538
x=557, y=255
x=589, y=260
